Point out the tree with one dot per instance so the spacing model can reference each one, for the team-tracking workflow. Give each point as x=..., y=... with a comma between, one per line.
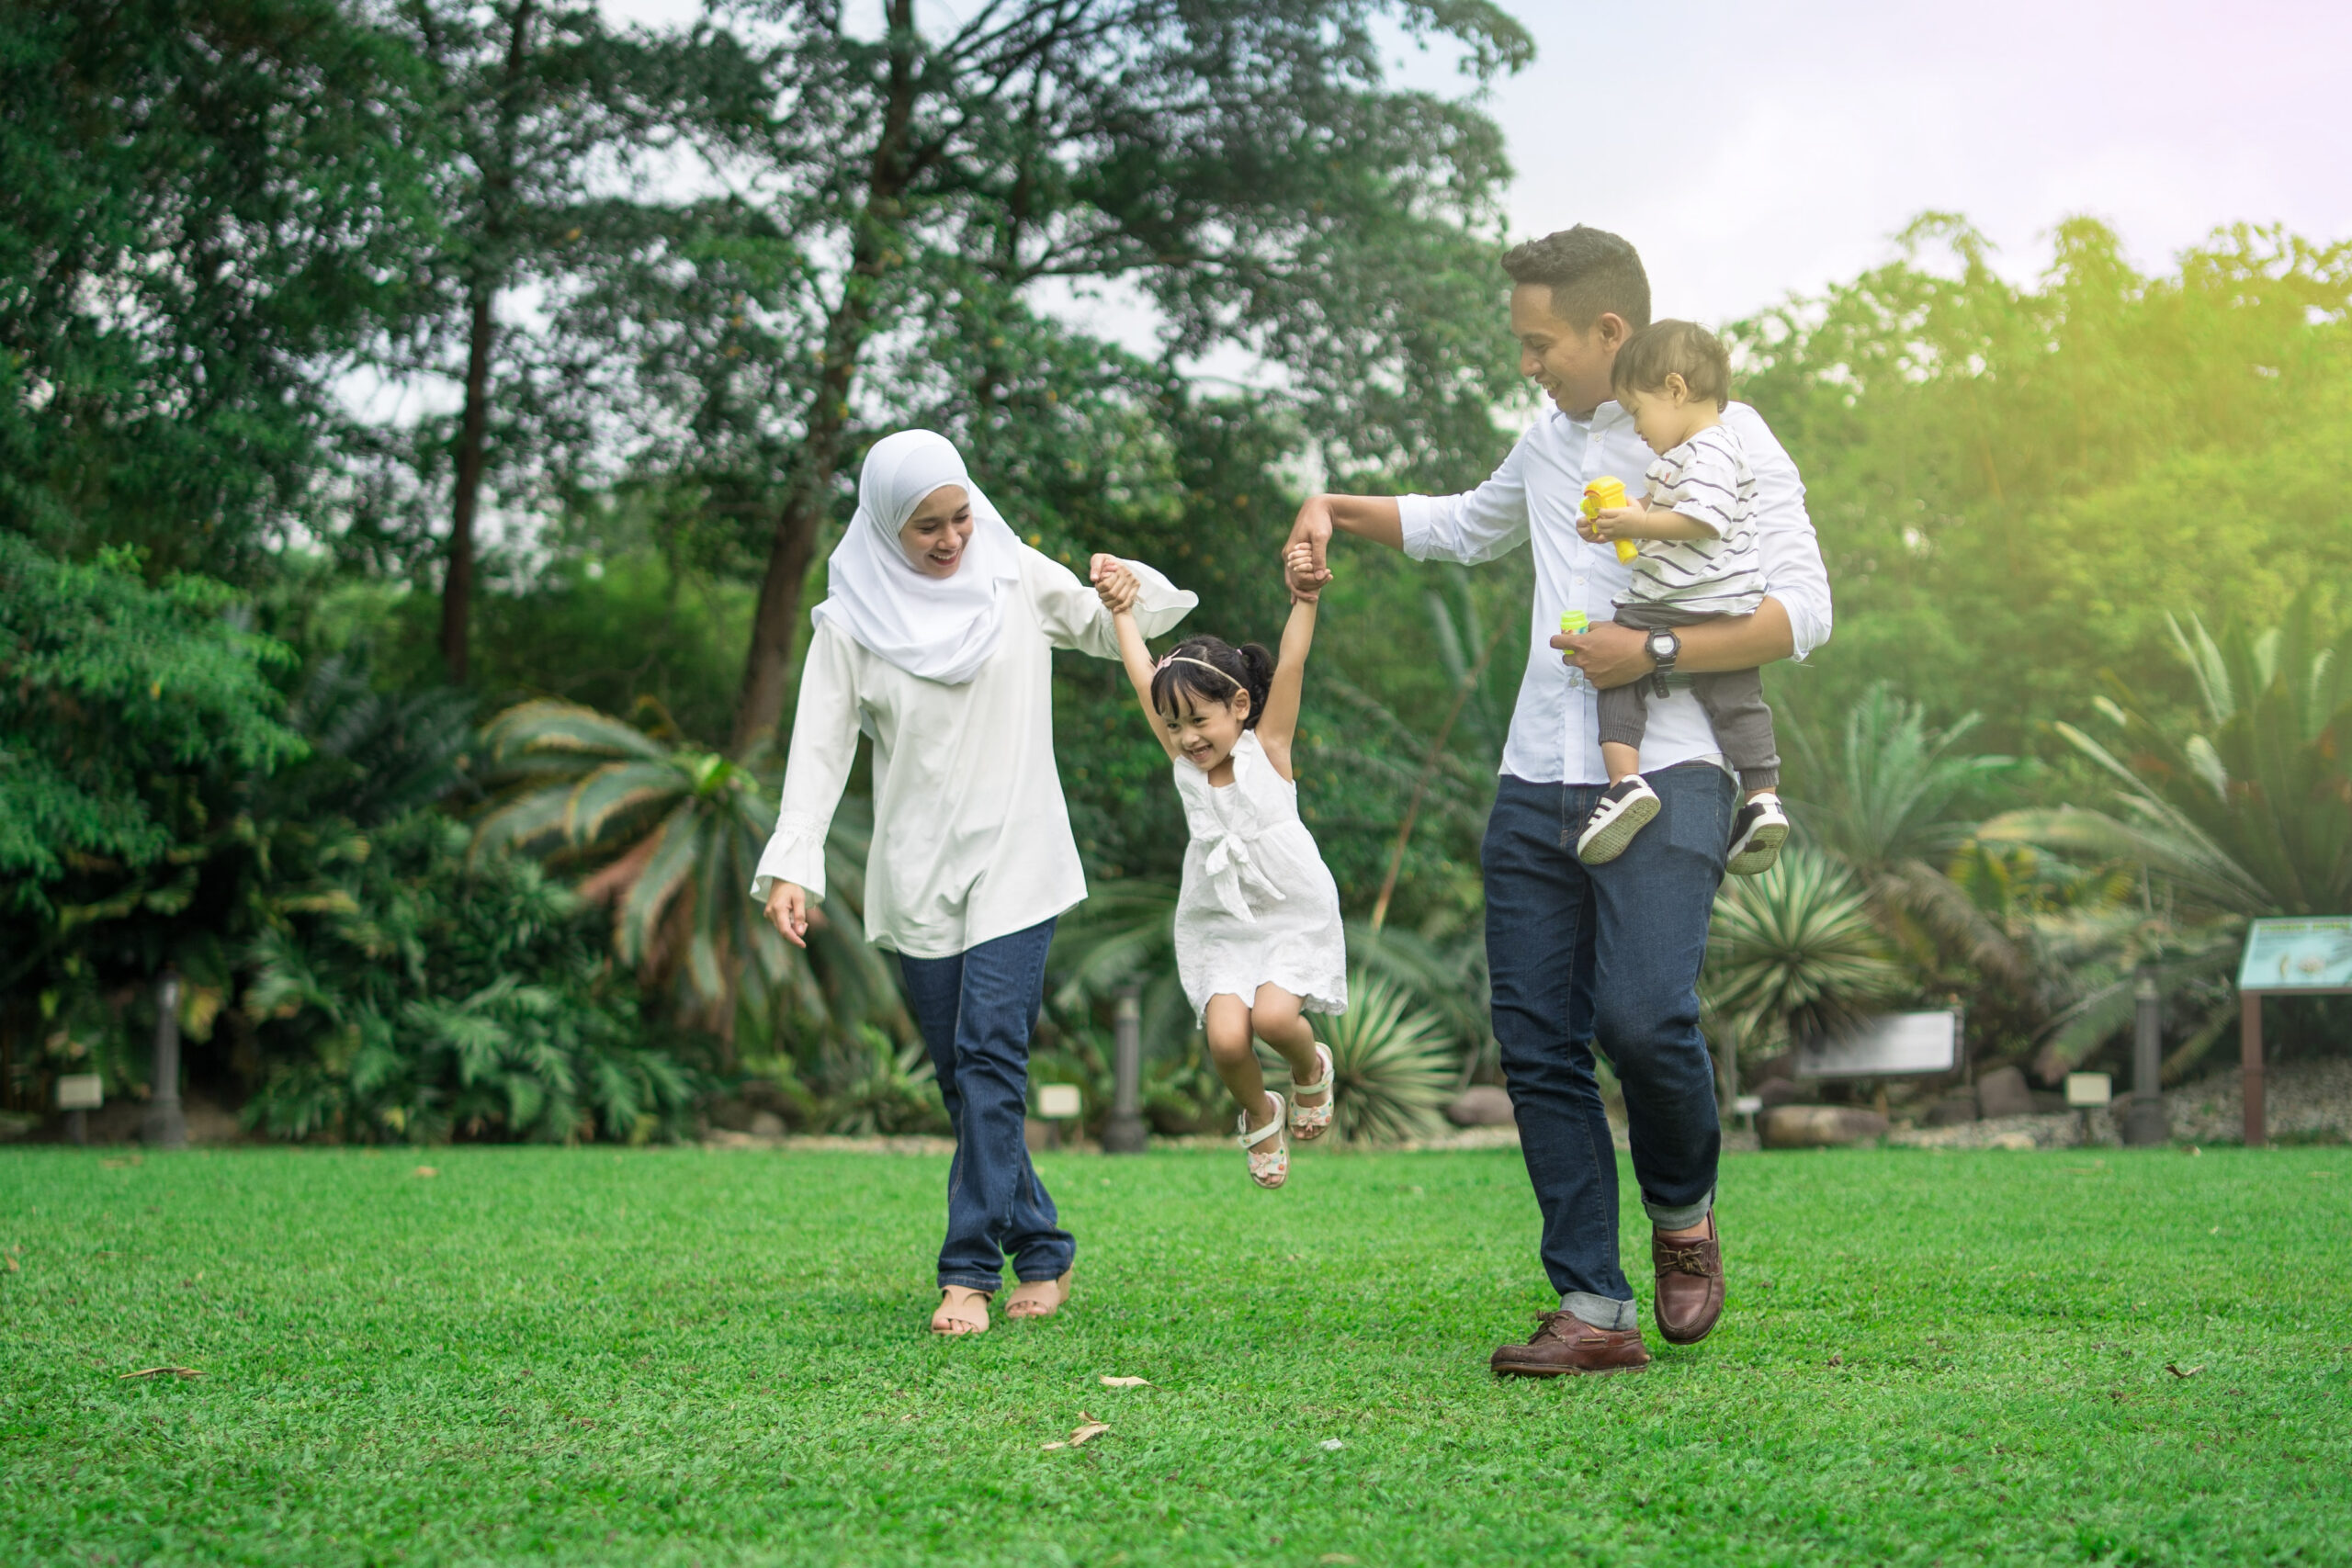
x=539, y=114
x=205, y=206
x=1241, y=164
x=134, y=722
x=126, y=711
x=2015, y=484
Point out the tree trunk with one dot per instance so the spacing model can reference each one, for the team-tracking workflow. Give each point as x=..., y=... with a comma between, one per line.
x=759, y=704
x=457, y=582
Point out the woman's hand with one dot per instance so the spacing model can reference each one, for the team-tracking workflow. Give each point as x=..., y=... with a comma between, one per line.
x=1118, y=587
x=1305, y=579
x=787, y=911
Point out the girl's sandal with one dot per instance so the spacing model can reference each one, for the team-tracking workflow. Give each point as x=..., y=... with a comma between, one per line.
x=1038, y=1298
x=1267, y=1168
x=960, y=1311
x=1308, y=1122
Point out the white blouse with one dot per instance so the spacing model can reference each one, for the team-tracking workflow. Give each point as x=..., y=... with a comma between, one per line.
x=971, y=836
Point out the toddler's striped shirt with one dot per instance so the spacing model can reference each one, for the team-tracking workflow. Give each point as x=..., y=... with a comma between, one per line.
x=1706, y=480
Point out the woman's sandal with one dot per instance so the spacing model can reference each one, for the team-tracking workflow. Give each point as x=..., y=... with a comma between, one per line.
x=960, y=1311
x=1308, y=1122
x=1268, y=1168
x=1038, y=1298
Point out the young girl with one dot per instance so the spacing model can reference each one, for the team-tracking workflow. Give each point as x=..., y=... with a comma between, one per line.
x=1258, y=935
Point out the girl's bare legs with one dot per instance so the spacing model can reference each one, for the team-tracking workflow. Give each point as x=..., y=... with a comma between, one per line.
x=1622, y=760
x=1279, y=1022
x=1226, y=1025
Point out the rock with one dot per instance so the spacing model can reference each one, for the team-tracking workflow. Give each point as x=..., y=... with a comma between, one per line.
x=1818, y=1126
x=209, y=1121
x=1482, y=1105
x=2013, y=1141
x=1780, y=1091
x=1952, y=1110
x=766, y=1124
x=2002, y=1092
x=729, y=1115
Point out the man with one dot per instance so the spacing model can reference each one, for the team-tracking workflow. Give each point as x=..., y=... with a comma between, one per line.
x=1607, y=956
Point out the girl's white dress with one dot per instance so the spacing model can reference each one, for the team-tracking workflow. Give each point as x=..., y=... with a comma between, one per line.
x=1258, y=904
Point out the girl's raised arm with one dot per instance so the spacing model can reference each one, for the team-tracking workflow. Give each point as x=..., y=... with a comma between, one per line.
x=1118, y=588
x=1279, y=724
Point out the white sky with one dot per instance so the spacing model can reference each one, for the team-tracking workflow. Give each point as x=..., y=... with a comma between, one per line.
x=1767, y=146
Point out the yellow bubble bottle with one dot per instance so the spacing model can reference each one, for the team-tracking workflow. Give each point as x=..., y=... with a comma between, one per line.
x=1575, y=621
x=1602, y=494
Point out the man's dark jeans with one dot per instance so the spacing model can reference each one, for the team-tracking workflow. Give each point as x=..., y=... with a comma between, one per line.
x=1606, y=954
x=976, y=1011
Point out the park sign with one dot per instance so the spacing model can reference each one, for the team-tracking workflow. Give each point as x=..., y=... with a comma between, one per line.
x=2311, y=954
x=2302, y=955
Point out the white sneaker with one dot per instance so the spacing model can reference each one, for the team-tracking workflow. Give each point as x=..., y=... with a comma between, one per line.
x=1757, y=834
x=1624, y=809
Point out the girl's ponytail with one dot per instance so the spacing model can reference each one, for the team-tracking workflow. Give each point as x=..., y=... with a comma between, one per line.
x=1258, y=672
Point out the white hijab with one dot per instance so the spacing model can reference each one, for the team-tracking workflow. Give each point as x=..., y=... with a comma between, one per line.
x=938, y=628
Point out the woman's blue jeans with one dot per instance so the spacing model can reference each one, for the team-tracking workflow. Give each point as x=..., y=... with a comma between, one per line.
x=976, y=1011
x=1606, y=954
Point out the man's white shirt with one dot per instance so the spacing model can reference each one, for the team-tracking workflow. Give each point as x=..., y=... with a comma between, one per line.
x=1534, y=499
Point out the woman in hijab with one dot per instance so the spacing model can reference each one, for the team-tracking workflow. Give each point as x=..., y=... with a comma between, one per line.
x=936, y=638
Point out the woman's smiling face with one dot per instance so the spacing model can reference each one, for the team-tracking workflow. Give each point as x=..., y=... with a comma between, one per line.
x=934, y=537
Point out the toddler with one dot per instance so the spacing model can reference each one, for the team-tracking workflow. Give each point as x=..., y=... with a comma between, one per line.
x=1258, y=942
x=1698, y=560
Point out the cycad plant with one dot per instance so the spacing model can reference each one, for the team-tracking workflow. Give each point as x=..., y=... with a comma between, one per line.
x=671, y=834
x=1793, y=952
x=1885, y=799
x=1393, y=1062
x=2248, y=815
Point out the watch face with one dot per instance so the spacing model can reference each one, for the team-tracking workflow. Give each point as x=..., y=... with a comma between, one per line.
x=1663, y=644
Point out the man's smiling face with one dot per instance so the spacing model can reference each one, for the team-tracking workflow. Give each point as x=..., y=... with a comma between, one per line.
x=1571, y=364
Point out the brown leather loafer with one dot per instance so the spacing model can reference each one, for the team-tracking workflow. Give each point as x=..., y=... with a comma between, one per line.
x=1567, y=1346
x=1690, y=1285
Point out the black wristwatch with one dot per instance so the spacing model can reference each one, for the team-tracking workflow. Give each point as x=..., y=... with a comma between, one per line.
x=1664, y=648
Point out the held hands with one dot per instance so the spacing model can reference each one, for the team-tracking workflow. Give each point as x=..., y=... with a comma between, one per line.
x=789, y=912
x=1312, y=529
x=1117, y=586
x=1305, y=575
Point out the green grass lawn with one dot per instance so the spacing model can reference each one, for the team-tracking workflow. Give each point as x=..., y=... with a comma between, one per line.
x=677, y=1356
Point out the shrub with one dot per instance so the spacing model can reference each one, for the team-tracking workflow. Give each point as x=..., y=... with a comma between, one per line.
x=414, y=998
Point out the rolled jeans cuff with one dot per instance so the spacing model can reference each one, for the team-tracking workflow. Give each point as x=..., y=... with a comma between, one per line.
x=1681, y=1218
x=990, y=1284
x=1600, y=1311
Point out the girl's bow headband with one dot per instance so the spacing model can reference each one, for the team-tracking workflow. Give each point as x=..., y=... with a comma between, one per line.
x=1188, y=659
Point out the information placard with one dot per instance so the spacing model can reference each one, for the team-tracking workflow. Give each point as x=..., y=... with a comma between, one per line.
x=2303, y=953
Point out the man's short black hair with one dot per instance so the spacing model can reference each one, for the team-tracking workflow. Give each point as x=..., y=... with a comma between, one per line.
x=1589, y=271
x=1673, y=348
